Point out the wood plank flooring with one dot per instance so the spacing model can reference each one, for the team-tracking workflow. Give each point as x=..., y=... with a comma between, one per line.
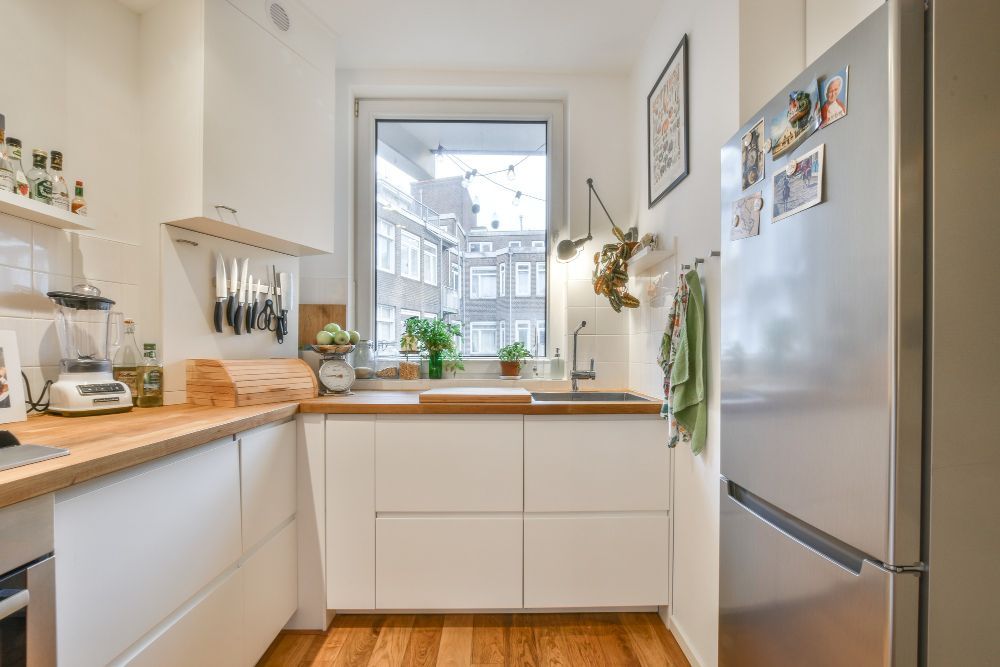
x=473, y=640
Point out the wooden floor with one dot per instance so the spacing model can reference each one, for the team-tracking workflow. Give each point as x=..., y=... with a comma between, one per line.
x=567, y=640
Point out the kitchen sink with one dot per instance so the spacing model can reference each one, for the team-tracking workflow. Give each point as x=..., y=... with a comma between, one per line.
x=590, y=396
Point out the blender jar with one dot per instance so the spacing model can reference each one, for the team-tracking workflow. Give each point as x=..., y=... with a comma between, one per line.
x=85, y=329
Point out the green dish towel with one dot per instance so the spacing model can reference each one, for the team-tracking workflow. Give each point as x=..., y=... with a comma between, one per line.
x=687, y=378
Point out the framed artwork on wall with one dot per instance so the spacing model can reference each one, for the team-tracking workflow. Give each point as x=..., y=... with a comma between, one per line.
x=667, y=126
x=11, y=387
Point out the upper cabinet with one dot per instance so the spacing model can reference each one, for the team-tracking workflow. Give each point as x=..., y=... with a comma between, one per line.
x=238, y=116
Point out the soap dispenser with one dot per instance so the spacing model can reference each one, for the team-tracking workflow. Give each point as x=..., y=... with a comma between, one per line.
x=557, y=367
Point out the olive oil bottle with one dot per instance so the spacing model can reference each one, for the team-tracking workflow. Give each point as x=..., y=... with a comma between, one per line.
x=127, y=361
x=150, y=378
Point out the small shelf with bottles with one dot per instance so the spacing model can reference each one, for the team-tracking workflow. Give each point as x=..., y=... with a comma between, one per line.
x=20, y=206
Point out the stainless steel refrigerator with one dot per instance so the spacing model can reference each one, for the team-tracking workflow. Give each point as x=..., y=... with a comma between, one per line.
x=821, y=356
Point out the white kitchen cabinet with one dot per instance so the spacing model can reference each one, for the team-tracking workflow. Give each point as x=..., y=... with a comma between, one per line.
x=596, y=560
x=595, y=463
x=270, y=591
x=448, y=562
x=267, y=475
x=350, y=512
x=449, y=463
x=134, y=546
x=239, y=122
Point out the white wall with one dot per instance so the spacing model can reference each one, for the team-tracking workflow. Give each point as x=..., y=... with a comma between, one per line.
x=597, y=133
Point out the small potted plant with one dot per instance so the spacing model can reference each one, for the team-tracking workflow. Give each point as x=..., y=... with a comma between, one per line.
x=452, y=360
x=435, y=337
x=511, y=357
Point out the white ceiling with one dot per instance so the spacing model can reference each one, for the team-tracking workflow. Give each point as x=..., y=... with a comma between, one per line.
x=492, y=35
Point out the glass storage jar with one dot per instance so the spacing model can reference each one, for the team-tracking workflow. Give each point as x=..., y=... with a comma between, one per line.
x=364, y=360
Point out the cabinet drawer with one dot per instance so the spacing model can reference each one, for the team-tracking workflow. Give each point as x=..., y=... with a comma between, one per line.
x=448, y=562
x=267, y=469
x=596, y=560
x=448, y=464
x=595, y=464
x=270, y=591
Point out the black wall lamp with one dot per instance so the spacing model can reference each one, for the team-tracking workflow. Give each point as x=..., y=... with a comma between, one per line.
x=570, y=249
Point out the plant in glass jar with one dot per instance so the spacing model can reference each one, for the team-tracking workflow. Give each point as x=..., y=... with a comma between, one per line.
x=453, y=363
x=511, y=357
x=435, y=337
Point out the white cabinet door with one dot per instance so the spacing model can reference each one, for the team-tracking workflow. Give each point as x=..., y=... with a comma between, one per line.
x=599, y=464
x=449, y=463
x=596, y=560
x=134, y=546
x=268, y=132
x=448, y=562
x=350, y=511
x=208, y=635
x=267, y=470
x=270, y=591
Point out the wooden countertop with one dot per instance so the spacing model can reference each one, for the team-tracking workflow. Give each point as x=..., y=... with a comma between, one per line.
x=408, y=403
x=104, y=444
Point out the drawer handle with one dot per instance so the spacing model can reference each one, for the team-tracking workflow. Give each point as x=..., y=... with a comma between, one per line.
x=14, y=603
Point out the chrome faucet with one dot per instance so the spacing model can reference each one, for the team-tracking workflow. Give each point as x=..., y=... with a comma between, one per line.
x=580, y=375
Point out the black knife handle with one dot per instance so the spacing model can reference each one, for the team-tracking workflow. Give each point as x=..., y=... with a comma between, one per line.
x=230, y=309
x=253, y=315
x=284, y=323
x=238, y=319
x=279, y=330
x=249, y=319
x=217, y=316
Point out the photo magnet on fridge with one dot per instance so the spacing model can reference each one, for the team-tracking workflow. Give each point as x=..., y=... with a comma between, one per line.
x=798, y=121
x=752, y=157
x=798, y=187
x=746, y=217
x=833, y=103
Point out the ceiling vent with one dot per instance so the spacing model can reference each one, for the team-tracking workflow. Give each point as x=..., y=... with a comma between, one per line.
x=279, y=17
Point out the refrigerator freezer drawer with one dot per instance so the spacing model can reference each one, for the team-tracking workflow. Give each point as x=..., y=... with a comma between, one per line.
x=790, y=596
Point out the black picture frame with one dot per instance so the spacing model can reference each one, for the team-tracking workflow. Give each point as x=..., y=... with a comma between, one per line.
x=685, y=132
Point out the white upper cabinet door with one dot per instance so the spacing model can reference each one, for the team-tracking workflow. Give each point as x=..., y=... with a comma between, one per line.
x=595, y=464
x=448, y=463
x=267, y=470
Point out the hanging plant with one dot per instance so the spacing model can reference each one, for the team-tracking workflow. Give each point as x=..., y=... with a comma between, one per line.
x=611, y=269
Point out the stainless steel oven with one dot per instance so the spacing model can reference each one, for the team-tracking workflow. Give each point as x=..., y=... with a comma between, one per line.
x=27, y=585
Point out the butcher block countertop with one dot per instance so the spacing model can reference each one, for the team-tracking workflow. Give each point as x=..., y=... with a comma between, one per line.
x=103, y=444
x=408, y=403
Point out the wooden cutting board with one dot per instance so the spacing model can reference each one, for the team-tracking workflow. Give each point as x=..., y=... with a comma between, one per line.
x=475, y=395
x=314, y=316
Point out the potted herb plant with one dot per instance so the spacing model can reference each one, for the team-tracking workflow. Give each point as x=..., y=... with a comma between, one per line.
x=452, y=361
x=435, y=337
x=511, y=357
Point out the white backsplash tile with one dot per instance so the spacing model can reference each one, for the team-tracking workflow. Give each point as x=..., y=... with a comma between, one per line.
x=47, y=342
x=580, y=293
x=611, y=323
x=16, y=297
x=52, y=250
x=577, y=315
x=97, y=259
x=610, y=375
x=15, y=242
x=24, y=330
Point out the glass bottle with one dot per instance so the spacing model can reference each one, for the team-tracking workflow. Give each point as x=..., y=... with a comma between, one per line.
x=150, y=378
x=79, y=204
x=363, y=360
x=7, y=182
x=60, y=191
x=38, y=177
x=127, y=362
x=21, y=185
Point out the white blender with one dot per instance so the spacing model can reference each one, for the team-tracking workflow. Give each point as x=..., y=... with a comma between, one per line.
x=87, y=332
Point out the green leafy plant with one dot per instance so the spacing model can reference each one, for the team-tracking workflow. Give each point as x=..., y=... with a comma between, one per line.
x=433, y=336
x=452, y=361
x=514, y=352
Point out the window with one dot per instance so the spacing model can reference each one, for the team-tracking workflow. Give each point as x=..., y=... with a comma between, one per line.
x=480, y=246
x=386, y=247
x=503, y=279
x=522, y=332
x=540, y=279
x=514, y=245
x=409, y=255
x=540, y=337
x=503, y=333
x=430, y=263
x=455, y=281
x=385, y=329
x=522, y=279
x=405, y=314
x=430, y=316
x=483, y=338
x=538, y=245
x=483, y=282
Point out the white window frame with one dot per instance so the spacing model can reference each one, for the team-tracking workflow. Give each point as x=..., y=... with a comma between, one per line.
x=540, y=278
x=519, y=288
x=391, y=321
x=405, y=314
x=514, y=245
x=404, y=250
x=474, y=285
x=390, y=240
x=455, y=279
x=503, y=334
x=475, y=331
x=522, y=326
x=502, y=279
x=538, y=245
x=481, y=246
x=539, y=337
x=397, y=102
x=431, y=257
x=430, y=316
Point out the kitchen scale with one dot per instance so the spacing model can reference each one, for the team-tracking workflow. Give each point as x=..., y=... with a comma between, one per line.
x=87, y=333
x=336, y=375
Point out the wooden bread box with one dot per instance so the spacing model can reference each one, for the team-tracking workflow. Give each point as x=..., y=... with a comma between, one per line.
x=238, y=382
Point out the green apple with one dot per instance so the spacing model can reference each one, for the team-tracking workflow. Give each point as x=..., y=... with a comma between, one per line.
x=341, y=338
x=355, y=336
x=332, y=327
x=324, y=338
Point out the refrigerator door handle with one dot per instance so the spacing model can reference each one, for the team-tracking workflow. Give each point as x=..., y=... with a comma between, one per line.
x=837, y=552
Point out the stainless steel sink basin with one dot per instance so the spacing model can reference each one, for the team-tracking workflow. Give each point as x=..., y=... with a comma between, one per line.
x=589, y=396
